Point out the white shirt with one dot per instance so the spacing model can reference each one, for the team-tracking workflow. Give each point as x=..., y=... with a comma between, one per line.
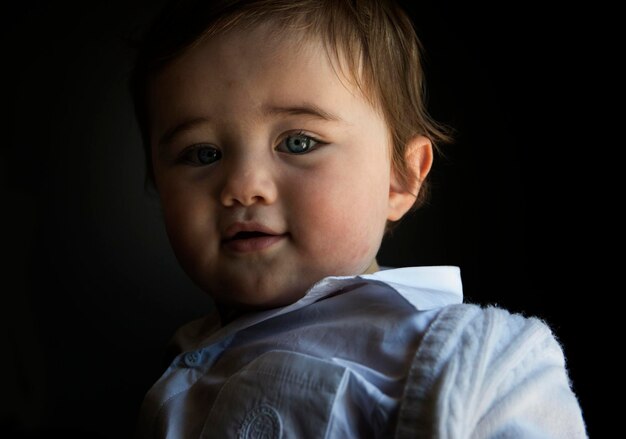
x=331, y=365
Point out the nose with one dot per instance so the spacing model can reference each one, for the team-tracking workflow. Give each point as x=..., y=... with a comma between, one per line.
x=248, y=181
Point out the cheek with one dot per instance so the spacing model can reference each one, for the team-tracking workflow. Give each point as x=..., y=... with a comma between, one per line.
x=342, y=217
x=186, y=218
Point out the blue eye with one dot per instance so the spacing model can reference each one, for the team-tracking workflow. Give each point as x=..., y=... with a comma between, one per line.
x=202, y=155
x=298, y=144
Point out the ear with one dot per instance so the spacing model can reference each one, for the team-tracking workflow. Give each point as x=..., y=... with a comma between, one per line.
x=419, y=159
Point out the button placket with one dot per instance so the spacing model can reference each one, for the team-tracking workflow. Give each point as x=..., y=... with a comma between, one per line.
x=204, y=356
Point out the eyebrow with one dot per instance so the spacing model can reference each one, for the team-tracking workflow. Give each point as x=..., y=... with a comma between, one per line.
x=267, y=110
x=306, y=109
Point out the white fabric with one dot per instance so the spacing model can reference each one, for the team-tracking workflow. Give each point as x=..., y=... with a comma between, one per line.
x=335, y=365
x=486, y=373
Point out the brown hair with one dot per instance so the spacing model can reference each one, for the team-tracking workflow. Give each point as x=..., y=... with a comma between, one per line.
x=375, y=37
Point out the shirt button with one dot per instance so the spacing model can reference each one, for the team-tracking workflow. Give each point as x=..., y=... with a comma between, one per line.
x=192, y=359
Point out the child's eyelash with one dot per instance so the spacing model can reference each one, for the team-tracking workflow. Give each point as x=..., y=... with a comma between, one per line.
x=310, y=136
x=303, y=133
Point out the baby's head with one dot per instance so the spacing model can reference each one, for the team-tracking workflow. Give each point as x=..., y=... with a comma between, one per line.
x=282, y=138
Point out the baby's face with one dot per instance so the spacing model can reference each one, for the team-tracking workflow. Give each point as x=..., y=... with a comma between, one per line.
x=271, y=173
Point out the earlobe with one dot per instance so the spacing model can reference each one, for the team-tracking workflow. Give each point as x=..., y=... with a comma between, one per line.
x=419, y=159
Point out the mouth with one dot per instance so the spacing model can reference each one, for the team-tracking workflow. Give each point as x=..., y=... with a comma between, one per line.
x=249, y=235
x=248, y=238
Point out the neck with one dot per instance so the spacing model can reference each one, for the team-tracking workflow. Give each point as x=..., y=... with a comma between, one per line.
x=373, y=268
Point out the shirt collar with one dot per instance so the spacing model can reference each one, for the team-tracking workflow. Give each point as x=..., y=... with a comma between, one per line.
x=424, y=287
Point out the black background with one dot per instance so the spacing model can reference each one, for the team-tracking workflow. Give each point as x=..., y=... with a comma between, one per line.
x=90, y=289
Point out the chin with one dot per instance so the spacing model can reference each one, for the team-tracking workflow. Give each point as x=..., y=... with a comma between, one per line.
x=257, y=300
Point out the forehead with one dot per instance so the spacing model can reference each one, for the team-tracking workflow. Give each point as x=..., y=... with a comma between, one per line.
x=272, y=40
x=255, y=66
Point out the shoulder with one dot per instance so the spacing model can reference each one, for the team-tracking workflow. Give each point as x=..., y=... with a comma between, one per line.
x=484, y=371
x=486, y=341
x=488, y=330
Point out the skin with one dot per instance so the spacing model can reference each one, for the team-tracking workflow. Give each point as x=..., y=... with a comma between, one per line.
x=326, y=208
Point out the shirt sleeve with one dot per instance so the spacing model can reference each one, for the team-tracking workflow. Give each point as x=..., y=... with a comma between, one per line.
x=487, y=373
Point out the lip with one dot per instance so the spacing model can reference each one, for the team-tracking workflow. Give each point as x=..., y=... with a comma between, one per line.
x=268, y=239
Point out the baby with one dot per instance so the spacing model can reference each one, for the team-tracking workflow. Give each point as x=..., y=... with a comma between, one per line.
x=284, y=138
